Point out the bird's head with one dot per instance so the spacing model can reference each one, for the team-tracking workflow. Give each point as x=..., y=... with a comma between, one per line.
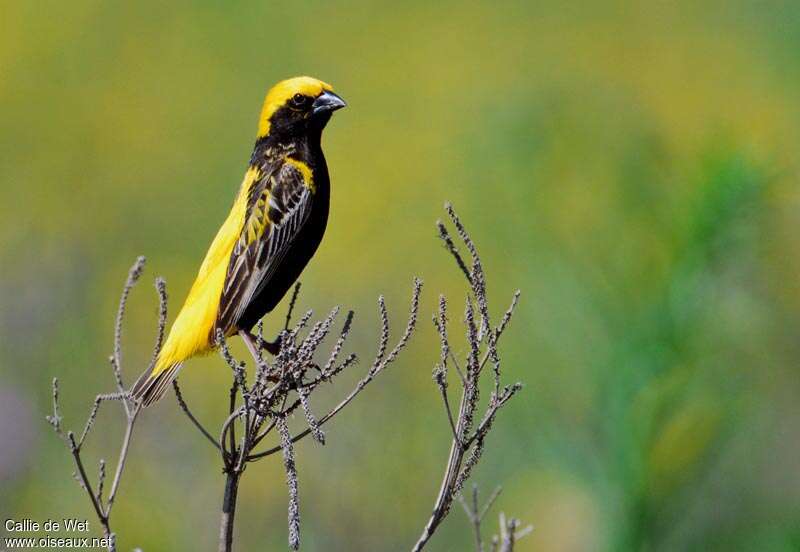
x=295, y=107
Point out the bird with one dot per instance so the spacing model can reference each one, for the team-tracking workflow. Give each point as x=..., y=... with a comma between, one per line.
x=275, y=226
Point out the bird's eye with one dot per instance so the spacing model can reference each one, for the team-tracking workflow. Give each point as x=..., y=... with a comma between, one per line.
x=299, y=100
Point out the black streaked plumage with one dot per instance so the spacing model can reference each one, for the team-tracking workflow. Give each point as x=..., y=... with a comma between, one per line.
x=274, y=227
x=262, y=271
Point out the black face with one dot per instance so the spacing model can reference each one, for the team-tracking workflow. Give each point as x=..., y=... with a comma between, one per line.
x=300, y=102
x=303, y=115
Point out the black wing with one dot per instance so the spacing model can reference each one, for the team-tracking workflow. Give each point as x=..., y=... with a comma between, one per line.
x=278, y=206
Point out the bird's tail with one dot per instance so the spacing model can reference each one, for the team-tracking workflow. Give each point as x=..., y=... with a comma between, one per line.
x=152, y=384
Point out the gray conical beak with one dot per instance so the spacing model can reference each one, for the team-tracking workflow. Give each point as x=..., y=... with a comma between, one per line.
x=327, y=102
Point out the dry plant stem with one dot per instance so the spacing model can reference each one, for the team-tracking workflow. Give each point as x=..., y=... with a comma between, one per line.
x=282, y=384
x=509, y=530
x=476, y=514
x=228, y=510
x=509, y=533
x=191, y=416
x=378, y=365
x=288, y=382
x=291, y=481
x=467, y=444
x=101, y=506
x=233, y=467
x=123, y=456
x=292, y=303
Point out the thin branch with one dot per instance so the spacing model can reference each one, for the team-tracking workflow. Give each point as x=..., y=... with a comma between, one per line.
x=93, y=413
x=508, y=314
x=467, y=444
x=123, y=455
x=382, y=360
x=228, y=431
x=292, y=303
x=313, y=425
x=452, y=249
x=337, y=349
x=131, y=409
x=55, y=419
x=384, y=339
x=472, y=514
x=440, y=380
x=509, y=532
x=84, y=480
x=101, y=479
x=185, y=408
x=161, y=289
x=490, y=502
x=134, y=274
x=291, y=481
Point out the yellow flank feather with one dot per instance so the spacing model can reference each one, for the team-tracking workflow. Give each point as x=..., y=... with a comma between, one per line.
x=191, y=332
x=305, y=170
x=258, y=220
x=280, y=94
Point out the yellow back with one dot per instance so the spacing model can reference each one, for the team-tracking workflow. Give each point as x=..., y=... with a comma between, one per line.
x=190, y=334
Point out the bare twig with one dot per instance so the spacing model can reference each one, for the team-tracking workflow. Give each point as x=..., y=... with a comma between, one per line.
x=133, y=276
x=443, y=389
x=123, y=455
x=291, y=481
x=468, y=443
x=473, y=514
x=509, y=532
x=452, y=249
x=161, y=289
x=197, y=424
x=375, y=369
x=103, y=507
x=292, y=302
x=287, y=384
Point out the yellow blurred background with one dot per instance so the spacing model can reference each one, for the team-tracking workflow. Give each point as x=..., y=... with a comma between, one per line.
x=631, y=167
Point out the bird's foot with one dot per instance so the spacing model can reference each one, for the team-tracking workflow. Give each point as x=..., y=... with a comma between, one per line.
x=272, y=347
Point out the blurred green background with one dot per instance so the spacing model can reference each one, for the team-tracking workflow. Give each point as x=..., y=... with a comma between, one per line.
x=632, y=167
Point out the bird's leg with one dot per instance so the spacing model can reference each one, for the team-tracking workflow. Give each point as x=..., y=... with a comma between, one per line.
x=272, y=347
x=250, y=341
